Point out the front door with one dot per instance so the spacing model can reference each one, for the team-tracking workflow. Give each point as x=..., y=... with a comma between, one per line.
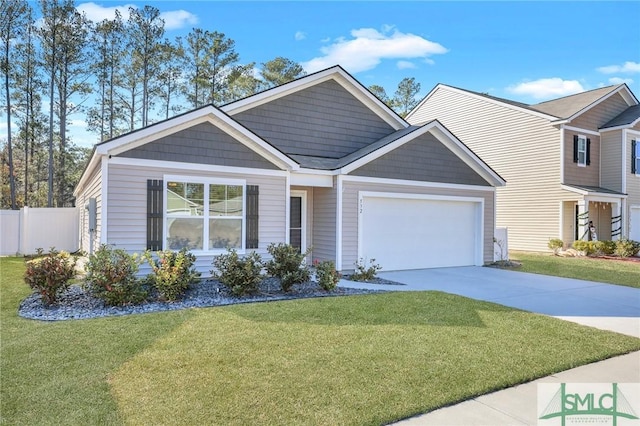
x=297, y=234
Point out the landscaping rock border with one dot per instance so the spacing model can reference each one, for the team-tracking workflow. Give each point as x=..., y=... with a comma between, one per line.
x=76, y=303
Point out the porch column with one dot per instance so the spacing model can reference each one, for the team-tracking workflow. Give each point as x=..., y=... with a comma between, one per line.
x=616, y=221
x=583, y=218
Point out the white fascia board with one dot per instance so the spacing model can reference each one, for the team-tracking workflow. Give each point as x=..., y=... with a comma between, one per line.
x=312, y=179
x=93, y=163
x=580, y=130
x=176, y=165
x=335, y=73
x=416, y=183
x=600, y=195
x=203, y=115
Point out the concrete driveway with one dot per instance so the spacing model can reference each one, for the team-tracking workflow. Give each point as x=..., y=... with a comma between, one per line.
x=606, y=306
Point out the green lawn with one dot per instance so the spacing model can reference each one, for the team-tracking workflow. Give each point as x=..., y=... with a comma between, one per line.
x=359, y=360
x=585, y=268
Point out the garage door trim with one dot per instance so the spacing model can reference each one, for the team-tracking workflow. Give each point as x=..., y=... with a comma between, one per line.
x=479, y=215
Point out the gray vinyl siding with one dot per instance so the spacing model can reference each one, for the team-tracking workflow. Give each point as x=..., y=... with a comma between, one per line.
x=581, y=175
x=611, y=160
x=324, y=120
x=203, y=143
x=350, y=214
x=522, y=148
x=601, y=113
x=423, y=159
x=127, y=218
x=633, y=180
x=92, y=189
x=324, y=224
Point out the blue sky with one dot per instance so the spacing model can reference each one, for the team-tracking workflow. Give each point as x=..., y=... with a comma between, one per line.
x=525, y=51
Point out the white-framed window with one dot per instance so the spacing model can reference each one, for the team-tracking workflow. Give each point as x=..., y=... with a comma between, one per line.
x=582, y=150
x=204, y=214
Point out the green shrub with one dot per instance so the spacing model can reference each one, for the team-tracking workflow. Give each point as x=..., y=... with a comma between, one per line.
x=173, y=272
x=364, y=273
x=555, y=244
x=111, y=276
x=240, y=275
x=627, y=248
x=49, y=274
x=588, y=248
x=606, y=248
x=286, y=264
x=327, y=275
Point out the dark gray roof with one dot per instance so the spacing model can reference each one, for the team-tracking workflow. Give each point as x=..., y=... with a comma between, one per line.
x=597, y=189
x=570, y=105
x=322, y=163
x=626, y=117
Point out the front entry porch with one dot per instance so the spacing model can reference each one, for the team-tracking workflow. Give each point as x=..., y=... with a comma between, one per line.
x=596, y=209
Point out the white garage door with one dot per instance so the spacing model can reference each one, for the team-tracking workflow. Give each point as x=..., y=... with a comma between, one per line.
x=634, y=223
x=418, y=232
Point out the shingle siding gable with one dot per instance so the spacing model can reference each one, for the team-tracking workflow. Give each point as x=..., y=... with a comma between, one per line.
x=203, y=144
x=423, y=159
x=324, y=120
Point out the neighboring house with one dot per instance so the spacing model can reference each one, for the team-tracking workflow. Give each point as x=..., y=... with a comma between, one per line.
x=567, y=161
x=318, y=163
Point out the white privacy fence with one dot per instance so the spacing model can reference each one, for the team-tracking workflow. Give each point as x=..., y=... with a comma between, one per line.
x=24, y=231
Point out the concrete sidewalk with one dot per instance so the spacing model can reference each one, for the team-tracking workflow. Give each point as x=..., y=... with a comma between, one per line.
x=518, y=405
x=599, y=305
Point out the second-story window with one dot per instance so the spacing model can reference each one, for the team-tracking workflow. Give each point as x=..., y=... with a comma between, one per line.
x=581, y=150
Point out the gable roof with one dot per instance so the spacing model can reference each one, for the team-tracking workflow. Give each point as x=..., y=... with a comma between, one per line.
x=562, y=109
x=353, y=161
x=627, y=118
x=337, y=74
x=570, y=106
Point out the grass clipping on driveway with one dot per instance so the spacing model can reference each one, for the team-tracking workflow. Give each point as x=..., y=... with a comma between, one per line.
x=351, y=360
x=344, y=360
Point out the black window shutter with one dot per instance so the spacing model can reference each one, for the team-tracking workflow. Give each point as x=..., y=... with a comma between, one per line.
x=155, y=191
x=588, y=151
x=633, y=157
x=252, y=216
x=575, y=148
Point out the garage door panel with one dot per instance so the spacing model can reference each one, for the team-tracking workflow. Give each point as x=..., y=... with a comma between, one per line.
x=634, y=223
x=418, y=233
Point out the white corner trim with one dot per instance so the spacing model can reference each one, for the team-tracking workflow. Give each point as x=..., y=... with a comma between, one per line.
x=339, y=196
x=104, y=203
x=562, y=152
x=624, y=161
x=287, y=208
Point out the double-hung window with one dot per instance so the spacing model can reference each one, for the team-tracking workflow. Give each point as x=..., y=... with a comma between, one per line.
x=204, y=214
x=582, y=150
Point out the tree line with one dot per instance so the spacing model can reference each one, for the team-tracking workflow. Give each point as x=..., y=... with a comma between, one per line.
x=120, y=75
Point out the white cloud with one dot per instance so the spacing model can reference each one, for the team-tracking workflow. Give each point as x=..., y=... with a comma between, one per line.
x=173, y=19
x=628, y=68
x=367, y=47
x=97, y=13
x=545, y=88
x=405, y=65
x=176, y=19
x=618, y=80
x=300, y=35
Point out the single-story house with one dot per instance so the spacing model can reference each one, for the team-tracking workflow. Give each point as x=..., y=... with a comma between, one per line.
x=319, y=163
